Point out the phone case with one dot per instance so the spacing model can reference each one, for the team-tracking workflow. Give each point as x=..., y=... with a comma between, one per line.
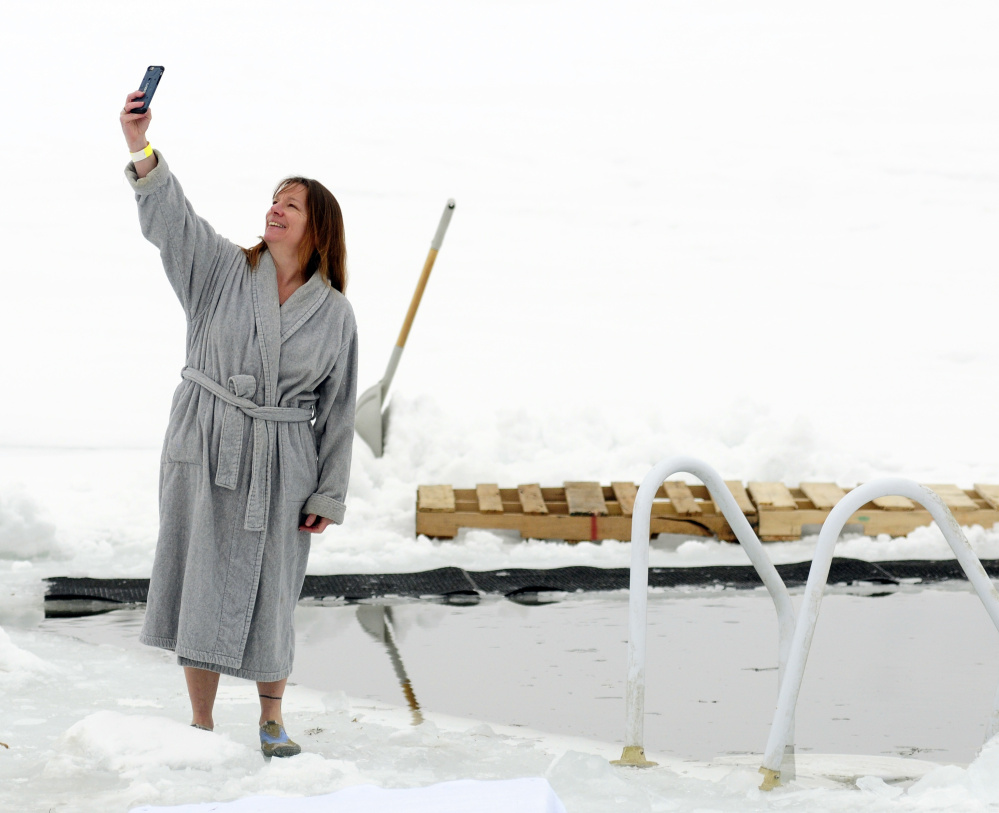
x=148, y=86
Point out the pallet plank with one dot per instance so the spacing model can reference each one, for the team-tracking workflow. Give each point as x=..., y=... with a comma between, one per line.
x=489, y=499
x=683, y=501
x=779, y=526
x=954, y=498
x=625, y=494
x=435, y=499
x=741, y=497
x=824, y=496
x=585, y=499
x=531, y=500
x=989, y=493
x=895, y=503
x=772, y=496
x=440, y=525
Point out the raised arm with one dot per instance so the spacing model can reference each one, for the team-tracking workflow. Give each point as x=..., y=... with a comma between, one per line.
x=134, y=126
x=193, y=253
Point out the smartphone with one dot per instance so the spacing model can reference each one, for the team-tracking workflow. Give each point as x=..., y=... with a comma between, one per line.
x=148, y=86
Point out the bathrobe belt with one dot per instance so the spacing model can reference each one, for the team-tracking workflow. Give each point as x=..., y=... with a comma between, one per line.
x=237, y=397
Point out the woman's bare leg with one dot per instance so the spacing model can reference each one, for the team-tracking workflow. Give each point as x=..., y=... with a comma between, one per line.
x=270, y=700
x=202, y=686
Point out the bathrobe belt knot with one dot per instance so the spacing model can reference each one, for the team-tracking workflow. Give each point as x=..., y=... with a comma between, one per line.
x=237, y=397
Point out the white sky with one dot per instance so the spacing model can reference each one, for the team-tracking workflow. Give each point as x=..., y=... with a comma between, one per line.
x=699, y=211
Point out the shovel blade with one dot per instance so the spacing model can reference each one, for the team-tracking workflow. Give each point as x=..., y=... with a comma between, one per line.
x=372, y=620
x=368, y=418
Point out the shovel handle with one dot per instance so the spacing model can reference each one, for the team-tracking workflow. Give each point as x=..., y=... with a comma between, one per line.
x=435, y=246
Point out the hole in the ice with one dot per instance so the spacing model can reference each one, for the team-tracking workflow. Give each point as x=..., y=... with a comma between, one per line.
x=918, y=666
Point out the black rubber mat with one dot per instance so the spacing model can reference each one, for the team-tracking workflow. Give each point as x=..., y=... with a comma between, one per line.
x=446, y=581
x=126, y=591
x=453, y=581
x=942, y=570
x=513, y=581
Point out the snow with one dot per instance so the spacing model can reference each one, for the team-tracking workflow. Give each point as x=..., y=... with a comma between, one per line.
x=17, y=663
x=498, y=796
x=762, y=235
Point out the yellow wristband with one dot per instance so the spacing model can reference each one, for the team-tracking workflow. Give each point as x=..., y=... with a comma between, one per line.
x=143, y=153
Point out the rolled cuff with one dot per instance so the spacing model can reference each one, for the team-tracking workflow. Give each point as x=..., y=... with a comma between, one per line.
x=156, y=178
x=323, y=506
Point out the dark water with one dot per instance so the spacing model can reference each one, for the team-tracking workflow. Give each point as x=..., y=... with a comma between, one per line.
x=905, y=672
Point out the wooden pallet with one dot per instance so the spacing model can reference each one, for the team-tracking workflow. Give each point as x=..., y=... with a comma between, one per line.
x=589, y=511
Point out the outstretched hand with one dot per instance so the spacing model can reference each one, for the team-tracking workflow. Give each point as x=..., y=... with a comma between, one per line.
x=134, y=125
x=315, y=524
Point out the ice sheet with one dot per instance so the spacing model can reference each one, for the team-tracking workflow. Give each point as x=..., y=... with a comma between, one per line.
x=498, y=796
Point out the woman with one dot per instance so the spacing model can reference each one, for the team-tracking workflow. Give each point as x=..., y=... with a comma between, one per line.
x=257, y=450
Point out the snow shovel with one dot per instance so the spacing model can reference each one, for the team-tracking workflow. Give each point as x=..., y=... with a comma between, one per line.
x=371, y=416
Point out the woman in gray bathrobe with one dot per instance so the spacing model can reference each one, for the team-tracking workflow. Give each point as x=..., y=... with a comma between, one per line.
x=257, y=449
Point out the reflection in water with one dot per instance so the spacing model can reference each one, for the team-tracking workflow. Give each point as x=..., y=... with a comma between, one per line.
x=79, y=608
x=375, y=620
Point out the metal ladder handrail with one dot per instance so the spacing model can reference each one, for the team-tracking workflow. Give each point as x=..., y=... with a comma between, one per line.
x=781, y=728
x=634, y=752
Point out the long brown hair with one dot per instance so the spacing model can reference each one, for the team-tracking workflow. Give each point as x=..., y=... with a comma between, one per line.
x=324, y=249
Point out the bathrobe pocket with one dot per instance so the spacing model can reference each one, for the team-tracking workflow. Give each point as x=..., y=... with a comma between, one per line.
x=184, y=436
x=299, y=466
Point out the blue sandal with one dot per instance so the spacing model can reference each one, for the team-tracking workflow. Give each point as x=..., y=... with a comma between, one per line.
x=275, y=742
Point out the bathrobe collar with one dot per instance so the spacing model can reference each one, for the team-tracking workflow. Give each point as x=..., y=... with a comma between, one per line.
x=267, y=314
x=303, y=302
x=276, y=322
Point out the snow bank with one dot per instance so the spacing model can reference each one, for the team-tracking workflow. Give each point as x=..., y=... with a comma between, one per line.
x=14, y=660
x=105, y=522
x=130, y=743
x=23, y=534
x=974, y=787
x=22, y=591
x=590, y=781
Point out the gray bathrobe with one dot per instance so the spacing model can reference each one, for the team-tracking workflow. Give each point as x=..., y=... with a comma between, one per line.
x=260, y=434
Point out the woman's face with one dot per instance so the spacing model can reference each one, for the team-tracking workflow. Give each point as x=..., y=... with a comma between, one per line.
x=287, y=217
